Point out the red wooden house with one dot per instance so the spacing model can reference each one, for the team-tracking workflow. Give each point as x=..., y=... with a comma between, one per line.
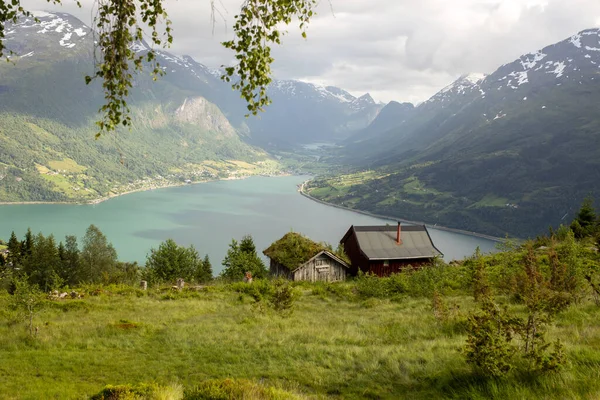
x=384, y=250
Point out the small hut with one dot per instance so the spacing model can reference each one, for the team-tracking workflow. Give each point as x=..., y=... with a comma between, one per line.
x=298, y=258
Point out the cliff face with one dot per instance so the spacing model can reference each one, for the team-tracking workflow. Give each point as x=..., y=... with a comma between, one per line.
x=199, y=112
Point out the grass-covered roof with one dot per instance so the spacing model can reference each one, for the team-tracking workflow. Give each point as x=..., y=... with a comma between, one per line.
x=293, y=250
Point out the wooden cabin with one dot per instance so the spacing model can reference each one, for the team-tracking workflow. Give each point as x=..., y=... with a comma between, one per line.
x=388, y=249
x=298, y=258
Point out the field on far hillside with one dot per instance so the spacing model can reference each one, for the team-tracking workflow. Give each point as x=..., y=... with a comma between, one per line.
x=333, y=345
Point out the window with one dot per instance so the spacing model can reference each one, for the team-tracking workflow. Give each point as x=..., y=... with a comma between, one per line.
x=320, y=262
x=386, y=263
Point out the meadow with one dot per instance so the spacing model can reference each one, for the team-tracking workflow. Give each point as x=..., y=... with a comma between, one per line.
x=341, y=340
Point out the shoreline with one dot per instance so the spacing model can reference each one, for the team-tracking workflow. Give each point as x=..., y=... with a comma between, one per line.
x=106, y=198
x=370, y=214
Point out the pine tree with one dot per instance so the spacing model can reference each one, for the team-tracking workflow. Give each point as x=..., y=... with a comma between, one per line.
x=204, y=272
x=70, y=268
x=585, y=222
x=243, y=258
x=14, y=250
x=207, y=266
x=247, y=245
x=27, y=244
x=43, y=263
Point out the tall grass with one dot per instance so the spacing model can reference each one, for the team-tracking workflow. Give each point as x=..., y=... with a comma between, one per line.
x=336, y=344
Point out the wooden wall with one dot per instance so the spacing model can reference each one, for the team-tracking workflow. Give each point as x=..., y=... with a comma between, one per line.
x=280, y=271
x=357, y=259
x=395, y=266
x=322, y=268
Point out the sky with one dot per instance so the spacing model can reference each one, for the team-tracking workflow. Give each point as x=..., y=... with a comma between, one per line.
x=403, y=50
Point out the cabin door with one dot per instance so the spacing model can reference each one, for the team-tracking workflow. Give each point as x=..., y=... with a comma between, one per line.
x=323, y=273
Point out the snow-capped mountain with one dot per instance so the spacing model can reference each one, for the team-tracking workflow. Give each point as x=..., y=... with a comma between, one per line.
x=62, y=33
x=463, y=86
x=301, y=112
x=570, y=60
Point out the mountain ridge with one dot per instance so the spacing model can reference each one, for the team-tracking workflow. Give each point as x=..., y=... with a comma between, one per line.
x=513, y=152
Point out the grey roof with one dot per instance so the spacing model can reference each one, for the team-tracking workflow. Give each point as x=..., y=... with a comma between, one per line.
x=379, y=242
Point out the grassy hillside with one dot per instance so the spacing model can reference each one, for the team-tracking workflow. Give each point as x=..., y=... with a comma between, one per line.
x=385, y=338
x=44, y=160
x=329, y=348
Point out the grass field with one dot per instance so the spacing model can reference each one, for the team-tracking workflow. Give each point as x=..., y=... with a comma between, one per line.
x=330, y=347
x=66, y=165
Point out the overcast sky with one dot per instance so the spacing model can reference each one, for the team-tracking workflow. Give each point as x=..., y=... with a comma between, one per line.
x=403, y=50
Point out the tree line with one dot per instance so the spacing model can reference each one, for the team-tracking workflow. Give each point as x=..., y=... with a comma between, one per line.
x=52, y=265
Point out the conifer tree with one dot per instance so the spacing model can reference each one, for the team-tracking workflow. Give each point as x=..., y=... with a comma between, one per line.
x=586, y=221
x=70, y=269
x=14, y=250
x=27, y=244
x=242, y=258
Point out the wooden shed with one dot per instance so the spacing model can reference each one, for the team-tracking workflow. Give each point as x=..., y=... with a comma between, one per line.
x=385, y=250
x=298, y=258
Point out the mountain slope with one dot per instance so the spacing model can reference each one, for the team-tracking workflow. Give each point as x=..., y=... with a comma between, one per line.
x=300, y=113
x=47, y=114
x=390, y=116
x=512, y=152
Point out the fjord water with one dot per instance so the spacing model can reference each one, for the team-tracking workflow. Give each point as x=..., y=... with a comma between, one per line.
x=208, y=216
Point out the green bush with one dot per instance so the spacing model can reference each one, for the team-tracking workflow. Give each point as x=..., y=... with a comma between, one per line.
x=370, y=285
x=282, y=297
x=259, y=289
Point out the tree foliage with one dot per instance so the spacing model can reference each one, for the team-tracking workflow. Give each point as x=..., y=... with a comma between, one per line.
x=256, y=27
x=586, y=221
x=26, y=300
x=242, y=258
x=120, y=23
x=98, y=257
x=171, y=261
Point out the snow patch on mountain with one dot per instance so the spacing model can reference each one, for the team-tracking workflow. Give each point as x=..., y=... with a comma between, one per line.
x=529, y=61
x=576, y=40
x=559, y=70
x=474, y=77
x=53, y=23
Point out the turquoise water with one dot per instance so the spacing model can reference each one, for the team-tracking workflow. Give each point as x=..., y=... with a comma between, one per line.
x=208, y=216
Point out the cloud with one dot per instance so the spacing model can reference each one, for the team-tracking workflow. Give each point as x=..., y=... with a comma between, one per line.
x=404, y=50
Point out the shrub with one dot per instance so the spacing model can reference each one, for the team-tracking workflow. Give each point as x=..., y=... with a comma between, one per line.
x=259, y=289
x=282, y=297
x=490, y=333
x=370, y=285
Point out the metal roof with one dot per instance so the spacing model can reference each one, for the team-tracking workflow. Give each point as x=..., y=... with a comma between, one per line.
x=379, y=242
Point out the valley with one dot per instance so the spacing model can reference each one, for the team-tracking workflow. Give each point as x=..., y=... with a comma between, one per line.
x=509, y=153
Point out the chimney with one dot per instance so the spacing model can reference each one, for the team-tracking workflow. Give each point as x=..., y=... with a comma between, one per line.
x=399, y=233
